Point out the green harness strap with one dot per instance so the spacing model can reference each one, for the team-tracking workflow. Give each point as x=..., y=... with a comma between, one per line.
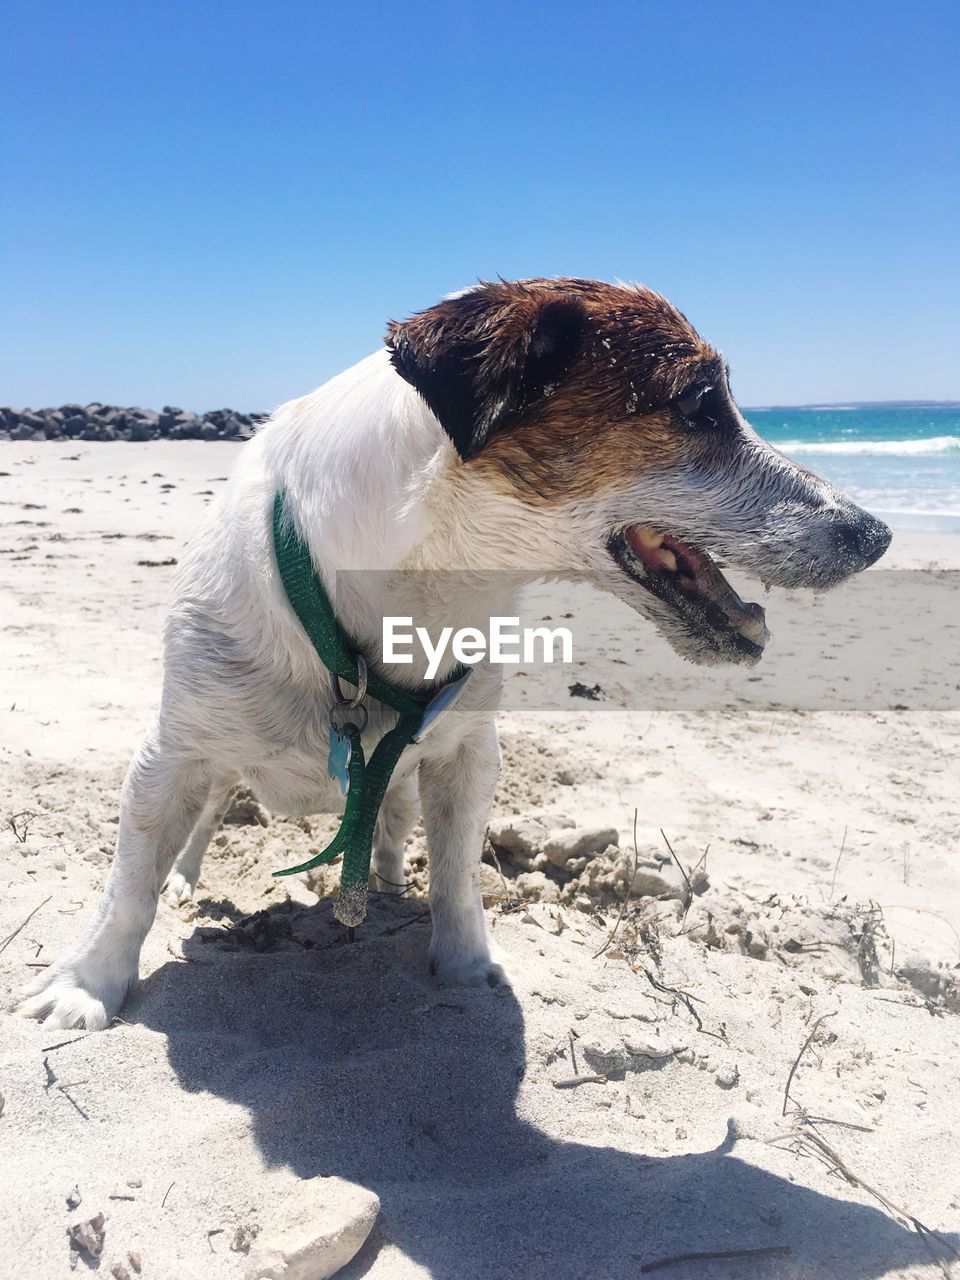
x=368, y=779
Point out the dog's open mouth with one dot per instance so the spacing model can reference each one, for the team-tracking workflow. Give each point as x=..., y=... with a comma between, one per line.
x=687, y=580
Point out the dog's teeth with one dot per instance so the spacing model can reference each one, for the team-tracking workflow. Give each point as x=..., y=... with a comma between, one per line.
x=648, y=538
x=668, y=559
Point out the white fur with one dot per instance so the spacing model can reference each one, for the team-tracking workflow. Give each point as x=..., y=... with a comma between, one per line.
x=373, y=483
x=367, y=472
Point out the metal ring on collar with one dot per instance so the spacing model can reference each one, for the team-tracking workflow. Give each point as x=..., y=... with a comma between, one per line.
x=350, y=703
x=343, y=717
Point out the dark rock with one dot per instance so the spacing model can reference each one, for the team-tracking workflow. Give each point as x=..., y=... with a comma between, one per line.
x=186, y=429
x=87, y=1237
x=97, y=421
x=593, y=693
x=98, y=431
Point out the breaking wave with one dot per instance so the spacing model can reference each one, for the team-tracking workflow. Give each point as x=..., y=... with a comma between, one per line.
x=932, y=444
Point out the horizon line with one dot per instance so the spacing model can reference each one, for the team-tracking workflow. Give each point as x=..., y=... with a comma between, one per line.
x=772, y=406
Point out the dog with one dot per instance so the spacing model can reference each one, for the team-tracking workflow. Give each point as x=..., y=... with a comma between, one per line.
x=512, y=428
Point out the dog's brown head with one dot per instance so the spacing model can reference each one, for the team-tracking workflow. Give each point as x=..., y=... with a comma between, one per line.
x=601, y=405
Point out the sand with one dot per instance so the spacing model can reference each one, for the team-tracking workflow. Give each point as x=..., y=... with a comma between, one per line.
x=256, y=1054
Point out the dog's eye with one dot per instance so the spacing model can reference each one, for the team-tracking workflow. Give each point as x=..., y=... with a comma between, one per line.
x=691, y=402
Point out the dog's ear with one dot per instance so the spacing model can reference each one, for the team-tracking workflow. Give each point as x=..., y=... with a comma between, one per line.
x=484, y=359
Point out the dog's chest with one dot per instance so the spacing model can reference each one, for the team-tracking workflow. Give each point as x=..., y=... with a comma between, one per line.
x=296, y=785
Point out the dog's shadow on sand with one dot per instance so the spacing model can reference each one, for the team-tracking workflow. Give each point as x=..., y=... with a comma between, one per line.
x=351, y=1063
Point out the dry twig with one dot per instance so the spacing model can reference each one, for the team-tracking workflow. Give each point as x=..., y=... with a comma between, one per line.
x=626, y=897
x=686, y=878
x=680, y=868
x=21, y=833
x=424, y=915
x=687, y=1001
x=571, y=1082
x=803, y=1049
x=6, y=942
x=819, y=1147
x=496, y=863
x=62, y=1044
x=843, y=845
x=712, y=1255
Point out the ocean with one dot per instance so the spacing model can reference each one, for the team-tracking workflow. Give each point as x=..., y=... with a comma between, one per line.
x=900, y=461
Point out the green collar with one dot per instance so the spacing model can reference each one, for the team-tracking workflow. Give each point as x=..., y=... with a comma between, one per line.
x=367, y=781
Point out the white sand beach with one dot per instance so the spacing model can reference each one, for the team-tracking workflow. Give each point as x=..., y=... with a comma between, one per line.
x=261, y=1053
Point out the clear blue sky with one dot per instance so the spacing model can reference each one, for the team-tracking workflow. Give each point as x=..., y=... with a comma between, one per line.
x=211, y=203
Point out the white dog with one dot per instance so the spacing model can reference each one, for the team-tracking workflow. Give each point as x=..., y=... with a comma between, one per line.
x=561, y=425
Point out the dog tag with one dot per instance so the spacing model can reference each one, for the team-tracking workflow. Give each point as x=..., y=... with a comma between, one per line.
x=441, y=701
x=338, y=759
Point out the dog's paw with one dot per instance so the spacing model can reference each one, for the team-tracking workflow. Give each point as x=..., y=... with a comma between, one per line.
x=62, y=1000
x=178, y=888
x=485, y=970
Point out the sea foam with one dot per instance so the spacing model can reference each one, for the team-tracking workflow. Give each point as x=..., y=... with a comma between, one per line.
x=932, y=444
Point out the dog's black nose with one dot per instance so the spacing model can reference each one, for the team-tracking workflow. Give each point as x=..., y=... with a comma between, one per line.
x=864, y=537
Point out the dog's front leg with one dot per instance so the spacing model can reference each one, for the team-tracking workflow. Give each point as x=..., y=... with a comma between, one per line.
x=456, y=791
x=182, y=880
x=163, y=795
x=398, y=813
